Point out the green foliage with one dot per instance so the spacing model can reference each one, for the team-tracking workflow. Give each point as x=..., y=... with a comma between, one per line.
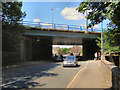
x=59, y=50
x=108, y=42
x=100, y=11
x=11, y=29
x=81, y=51
x=11, y=36
x=11, y=12
x=36, y=27
x=64, y=50
x=27, y=26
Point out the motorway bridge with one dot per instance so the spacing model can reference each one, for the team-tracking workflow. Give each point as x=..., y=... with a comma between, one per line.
x=39, y=38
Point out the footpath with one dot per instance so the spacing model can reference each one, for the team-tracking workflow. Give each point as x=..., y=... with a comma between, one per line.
x=91, y=76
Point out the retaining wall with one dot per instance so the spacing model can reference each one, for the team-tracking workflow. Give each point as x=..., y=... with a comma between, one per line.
x=112, y=73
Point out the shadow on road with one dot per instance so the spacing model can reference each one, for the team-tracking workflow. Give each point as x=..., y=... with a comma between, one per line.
x=22, y=77
x=72, y=66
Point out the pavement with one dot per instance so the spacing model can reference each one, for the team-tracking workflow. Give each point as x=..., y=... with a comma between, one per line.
x=91, y=76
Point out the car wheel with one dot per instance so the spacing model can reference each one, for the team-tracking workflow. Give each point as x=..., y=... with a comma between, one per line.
x=76, y=65
x=63, y=66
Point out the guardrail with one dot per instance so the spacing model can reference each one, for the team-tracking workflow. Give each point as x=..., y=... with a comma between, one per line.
x=57, y=26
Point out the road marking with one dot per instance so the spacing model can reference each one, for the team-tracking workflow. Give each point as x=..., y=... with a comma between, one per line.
x=77, y=75
x=74, y=78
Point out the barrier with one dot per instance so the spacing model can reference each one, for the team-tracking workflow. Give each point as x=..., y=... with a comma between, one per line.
x=57, y=26
x=111, y=70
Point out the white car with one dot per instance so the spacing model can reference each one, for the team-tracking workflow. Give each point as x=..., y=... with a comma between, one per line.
x=70, y=61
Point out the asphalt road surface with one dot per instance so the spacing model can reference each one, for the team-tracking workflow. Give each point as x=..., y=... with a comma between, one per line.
x=41, y=75
x=53, y=75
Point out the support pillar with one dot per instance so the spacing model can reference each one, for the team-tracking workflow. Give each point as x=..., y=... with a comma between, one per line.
x=26, y=49
x=89, y=49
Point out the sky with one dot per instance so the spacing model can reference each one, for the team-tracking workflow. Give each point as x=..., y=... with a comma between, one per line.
x=63, y=13
x=65, y=46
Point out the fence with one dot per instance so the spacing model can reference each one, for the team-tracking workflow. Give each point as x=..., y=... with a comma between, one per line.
x=57, y=26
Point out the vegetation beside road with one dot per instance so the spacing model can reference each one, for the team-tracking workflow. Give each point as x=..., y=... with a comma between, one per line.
x=11, y=29
x=100, y=11
x=63, y=50
x=108, y=42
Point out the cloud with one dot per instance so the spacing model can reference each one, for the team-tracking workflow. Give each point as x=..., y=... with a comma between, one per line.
x=36, y=20
x=45, y=24
x=71, y=13
x=96, y=27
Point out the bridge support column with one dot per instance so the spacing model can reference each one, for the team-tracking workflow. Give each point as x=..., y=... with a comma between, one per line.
x=32, y=50
x=89, y=49
x=26, y=49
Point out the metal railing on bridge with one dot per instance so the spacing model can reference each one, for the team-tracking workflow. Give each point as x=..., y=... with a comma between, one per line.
x=57, y=26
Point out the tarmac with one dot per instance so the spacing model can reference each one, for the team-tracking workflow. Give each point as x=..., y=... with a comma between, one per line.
x=91, y=76
x=22, y=64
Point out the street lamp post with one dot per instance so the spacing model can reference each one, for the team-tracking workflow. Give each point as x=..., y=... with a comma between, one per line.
x=52, y=16
x=101, y=39
x=86, y=22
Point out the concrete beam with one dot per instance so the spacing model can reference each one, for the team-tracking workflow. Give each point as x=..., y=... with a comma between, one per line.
x=62, y=34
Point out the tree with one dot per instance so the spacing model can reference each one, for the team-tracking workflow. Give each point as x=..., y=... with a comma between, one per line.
x=108, y=42
x=100, y=11
x=11, y=28
x=65, y=50
x=59, y=51
x=11, y=12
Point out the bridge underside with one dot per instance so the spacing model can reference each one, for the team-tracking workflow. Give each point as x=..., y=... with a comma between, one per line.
x=31, y=49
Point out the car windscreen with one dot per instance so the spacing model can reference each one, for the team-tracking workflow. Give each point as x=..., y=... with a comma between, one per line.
x=71, y=58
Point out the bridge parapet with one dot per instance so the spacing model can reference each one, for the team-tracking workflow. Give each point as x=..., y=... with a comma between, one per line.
x=57, y=26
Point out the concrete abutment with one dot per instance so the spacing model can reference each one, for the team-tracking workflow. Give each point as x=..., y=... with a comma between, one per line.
x=33, y=50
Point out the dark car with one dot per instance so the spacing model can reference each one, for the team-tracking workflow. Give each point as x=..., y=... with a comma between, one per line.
x=58, y=58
